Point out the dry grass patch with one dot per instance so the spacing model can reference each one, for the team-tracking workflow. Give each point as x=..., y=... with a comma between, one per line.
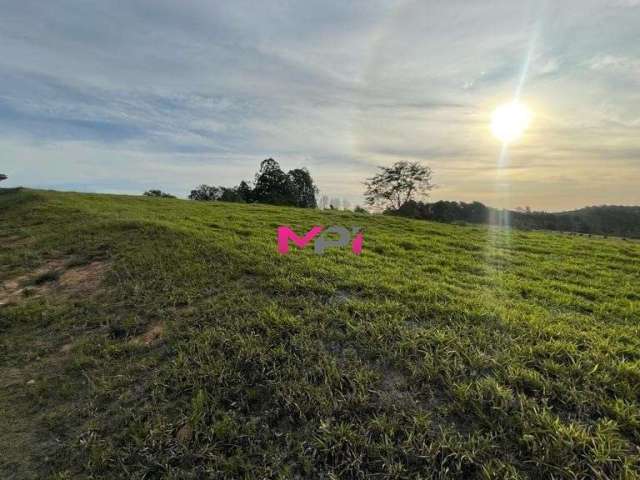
x=13, y=241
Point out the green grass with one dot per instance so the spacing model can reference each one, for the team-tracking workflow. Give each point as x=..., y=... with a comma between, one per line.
x=442, y=351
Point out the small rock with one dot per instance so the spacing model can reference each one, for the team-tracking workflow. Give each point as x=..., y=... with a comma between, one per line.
x=31, y=382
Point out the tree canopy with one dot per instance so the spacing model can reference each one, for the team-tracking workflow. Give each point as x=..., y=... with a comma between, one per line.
x=157, y=193
x=271, y=185
x=302, y=188
x=393, y=186
x=602, y=220
x=205, y=193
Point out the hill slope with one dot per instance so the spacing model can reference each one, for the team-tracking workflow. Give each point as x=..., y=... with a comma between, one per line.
x=148, y=338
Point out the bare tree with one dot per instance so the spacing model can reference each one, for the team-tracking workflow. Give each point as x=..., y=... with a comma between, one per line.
x=397, y=184
x=324, y=202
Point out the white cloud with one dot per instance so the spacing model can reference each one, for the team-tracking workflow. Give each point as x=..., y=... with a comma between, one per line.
x=171, y=93
x=616, y=64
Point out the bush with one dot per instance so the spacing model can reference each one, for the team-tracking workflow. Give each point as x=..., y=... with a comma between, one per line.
x=359, y=209
x=157, y=193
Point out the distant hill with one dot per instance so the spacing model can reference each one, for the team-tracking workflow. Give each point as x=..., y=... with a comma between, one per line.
x=606, y=219
x=620, y=221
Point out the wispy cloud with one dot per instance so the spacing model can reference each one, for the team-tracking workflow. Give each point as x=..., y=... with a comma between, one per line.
x=173, y=93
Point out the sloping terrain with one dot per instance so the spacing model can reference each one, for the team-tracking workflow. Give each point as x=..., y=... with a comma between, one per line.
x=158, y=338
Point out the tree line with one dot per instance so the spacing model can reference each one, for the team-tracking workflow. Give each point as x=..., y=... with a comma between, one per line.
x=390, y=188
x=271, y=185
x=396, y=190
x=613, y=220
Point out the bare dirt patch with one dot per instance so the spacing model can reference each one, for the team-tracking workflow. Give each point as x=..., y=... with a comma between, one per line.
x=54, y=277
x=84, y=278
x=13, y=241
x=342, y=296
x=152, y=336
x=394, y=388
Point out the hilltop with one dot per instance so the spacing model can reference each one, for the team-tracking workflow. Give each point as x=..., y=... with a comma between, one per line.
x=162, y=338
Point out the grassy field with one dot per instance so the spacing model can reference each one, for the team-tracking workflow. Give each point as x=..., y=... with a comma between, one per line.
x=158, y=338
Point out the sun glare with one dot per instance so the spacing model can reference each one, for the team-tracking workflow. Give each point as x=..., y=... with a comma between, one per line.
x=509, y=121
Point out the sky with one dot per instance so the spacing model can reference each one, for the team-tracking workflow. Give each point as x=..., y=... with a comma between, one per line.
x=124, y=96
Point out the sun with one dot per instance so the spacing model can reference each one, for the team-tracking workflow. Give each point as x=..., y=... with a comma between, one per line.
x=509, y=121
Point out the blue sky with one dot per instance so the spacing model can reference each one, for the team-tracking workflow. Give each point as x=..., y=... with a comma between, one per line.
x=124, y=96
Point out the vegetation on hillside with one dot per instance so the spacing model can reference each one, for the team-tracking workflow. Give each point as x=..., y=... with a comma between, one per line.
x=394, y=186
x=158, y=193
x=603, y=220
x=168, y=339
x=272, y=186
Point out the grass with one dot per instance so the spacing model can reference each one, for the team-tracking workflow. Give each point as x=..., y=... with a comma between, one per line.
x=443, y=351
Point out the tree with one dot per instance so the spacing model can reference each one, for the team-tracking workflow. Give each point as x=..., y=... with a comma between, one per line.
x=398, y=184
x=273, y=185
x=324, y=202
x=303, y=189
x=240, y=194
x=229, y=195
x=245, y=192
x=157, y=193
x=205, y=193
